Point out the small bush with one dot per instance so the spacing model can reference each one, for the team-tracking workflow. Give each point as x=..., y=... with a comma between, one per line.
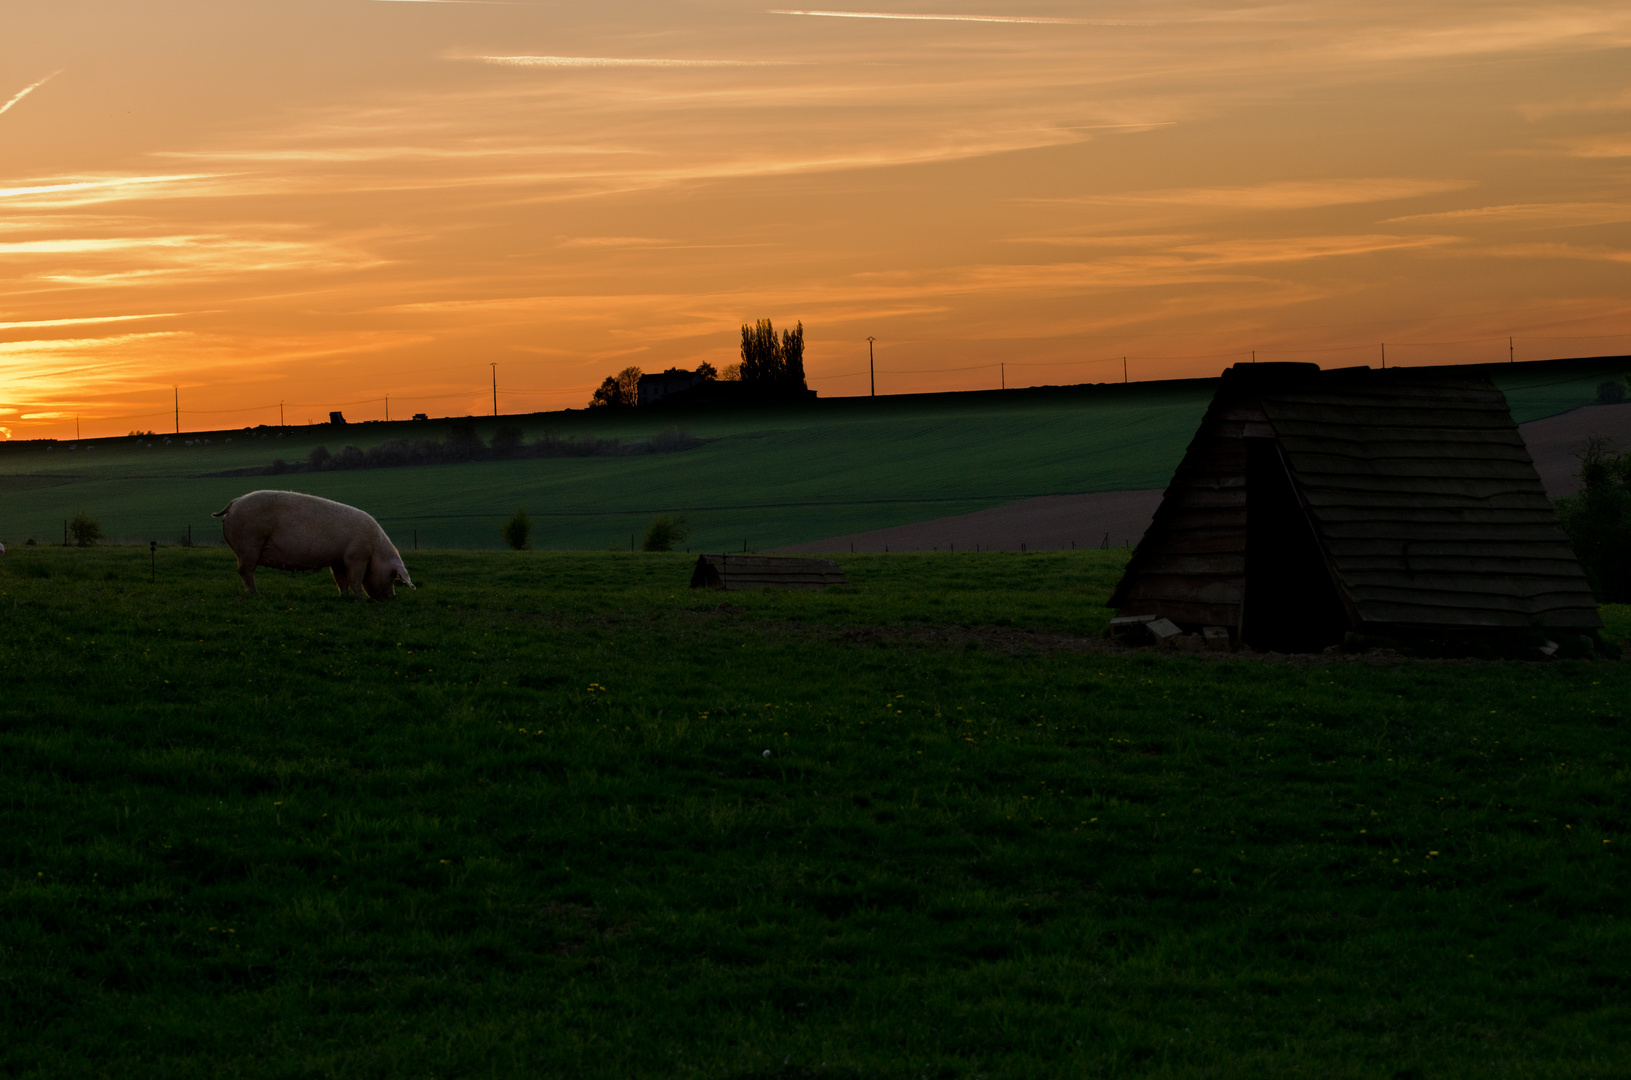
x=1598, y=521
x=318, y=457
x=517, y=532
x=665, y=532
x=1611, y=392
x=85, y=530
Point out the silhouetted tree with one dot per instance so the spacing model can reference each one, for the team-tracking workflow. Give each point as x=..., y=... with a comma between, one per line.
x=761, y=359
x=772, y=362
x=793, y=358
x=622, y=389
x=706, y=370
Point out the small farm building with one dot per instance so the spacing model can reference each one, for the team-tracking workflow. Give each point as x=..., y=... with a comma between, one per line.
x=1313, y=503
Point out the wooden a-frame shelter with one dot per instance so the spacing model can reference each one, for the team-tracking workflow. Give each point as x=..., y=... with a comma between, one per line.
x=1313, y=503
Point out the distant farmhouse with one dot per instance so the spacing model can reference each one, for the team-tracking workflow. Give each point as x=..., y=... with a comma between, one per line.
x=771, y=371
x=654, y=388
x=1314, y=503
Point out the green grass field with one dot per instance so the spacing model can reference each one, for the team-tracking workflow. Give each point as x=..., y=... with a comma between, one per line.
x=522, y=822
x=764, y=477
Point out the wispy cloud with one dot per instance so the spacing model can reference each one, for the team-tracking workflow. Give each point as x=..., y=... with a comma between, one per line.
x=611, y=242
x=1558, y=251
x=1575, y=213
x=25, y=91
x=34, y=324
x=1285, y=194
x=1616, y=145
x=79, y=191
x=905, y=16
x=617, y=62
x=1602, y=103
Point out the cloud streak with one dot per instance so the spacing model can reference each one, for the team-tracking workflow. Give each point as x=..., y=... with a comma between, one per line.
x=1042, y=20
x=36, y=324
x=616, y=62
x=25, y=91
x=1286, y=194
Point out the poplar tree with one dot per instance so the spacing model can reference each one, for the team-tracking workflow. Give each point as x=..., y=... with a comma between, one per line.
x=772, y=362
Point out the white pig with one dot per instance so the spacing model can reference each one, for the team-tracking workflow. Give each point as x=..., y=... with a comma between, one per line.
x=287, y=530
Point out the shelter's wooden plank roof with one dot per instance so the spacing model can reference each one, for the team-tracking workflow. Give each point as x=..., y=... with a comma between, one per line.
x=1191, y=561
x=1436, y=469
x=1417, y=484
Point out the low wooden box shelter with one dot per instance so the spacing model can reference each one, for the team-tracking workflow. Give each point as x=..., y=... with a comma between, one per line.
x=737, y=572
x=1313, y=503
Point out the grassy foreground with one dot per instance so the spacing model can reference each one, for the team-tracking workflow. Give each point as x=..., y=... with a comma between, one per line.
x=523, y=823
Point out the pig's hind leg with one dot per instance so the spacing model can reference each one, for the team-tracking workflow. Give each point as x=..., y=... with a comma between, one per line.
x=349, y=575
x=248, y=559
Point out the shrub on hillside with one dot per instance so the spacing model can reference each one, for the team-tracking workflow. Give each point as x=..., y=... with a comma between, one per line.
x=85, y=530
x=665, y=532
x=517, y=531
x=1598, y=521
x=1611, y=392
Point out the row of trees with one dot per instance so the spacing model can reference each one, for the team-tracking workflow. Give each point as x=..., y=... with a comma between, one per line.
x=770, y=362
x=463, y=444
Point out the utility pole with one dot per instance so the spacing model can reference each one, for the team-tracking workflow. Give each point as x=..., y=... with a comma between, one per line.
x=494, y=366
x=871, y=370
x=1124, y=371
x=1384, y=356
x=1002, y=375
x=387, y=408
x=1254, y=356
x=280, y=414
x=177, y=391
x=76, y=427
x=1511, y=354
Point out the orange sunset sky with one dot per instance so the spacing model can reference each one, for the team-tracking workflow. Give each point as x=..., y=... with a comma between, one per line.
x=327, y=201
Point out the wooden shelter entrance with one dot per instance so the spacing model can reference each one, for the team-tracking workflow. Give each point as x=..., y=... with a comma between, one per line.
x=1311, y=503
